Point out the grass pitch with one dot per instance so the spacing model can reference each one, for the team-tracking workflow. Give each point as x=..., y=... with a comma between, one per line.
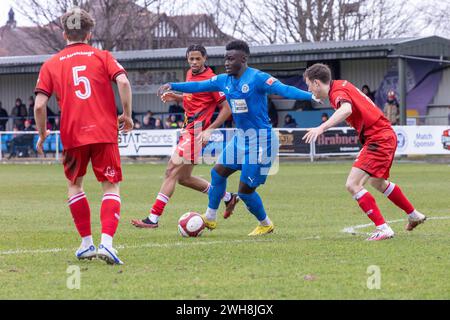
x=308, y=256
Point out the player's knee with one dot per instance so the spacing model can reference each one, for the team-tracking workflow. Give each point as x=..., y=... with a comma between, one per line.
x=352, y=187
x=170, y=173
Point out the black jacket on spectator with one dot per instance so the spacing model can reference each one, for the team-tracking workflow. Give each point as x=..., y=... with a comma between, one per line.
x=289, y=122
x=3, y=118
x=31, y=113
x=175, y=108
x=19, y=112
x=51, y=116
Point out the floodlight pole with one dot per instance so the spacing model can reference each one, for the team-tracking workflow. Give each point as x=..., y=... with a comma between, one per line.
x=402, y=89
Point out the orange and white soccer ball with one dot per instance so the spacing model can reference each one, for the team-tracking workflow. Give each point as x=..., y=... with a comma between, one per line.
x=191, y=225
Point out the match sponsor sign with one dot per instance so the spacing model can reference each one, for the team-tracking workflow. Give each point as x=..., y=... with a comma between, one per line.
x=148, y=143
x=423, y=140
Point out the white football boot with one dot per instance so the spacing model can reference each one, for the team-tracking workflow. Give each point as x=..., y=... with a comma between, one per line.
x=108, y=254
x=381, y=234
x=86, y=253
x=414, y=219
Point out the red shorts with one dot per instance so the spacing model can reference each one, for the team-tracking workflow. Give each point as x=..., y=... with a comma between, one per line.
x=189, y=148
x=105, y=160
x=378, y=153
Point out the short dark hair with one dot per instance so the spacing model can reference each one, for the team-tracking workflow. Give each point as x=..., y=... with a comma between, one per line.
x=77, y=24
x=318, y=71
x=196, y=47
x=238, y=45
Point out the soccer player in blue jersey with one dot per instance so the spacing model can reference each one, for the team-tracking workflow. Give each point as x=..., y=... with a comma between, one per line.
x=255, y=146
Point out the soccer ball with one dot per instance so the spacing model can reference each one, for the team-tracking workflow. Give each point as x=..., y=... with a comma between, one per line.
x=191, y=225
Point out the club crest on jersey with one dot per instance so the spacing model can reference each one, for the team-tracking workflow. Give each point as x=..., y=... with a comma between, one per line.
x=110, y=172
x=245, y=88
x=271, y=81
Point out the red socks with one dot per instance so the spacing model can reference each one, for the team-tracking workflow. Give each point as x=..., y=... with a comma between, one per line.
x=110, y=213
x=160, y=204
x=395, y=194
x=367, y=203
x=81, y=213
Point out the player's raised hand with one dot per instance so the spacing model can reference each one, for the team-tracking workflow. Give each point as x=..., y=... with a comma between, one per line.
x=169, y=96
x=312, y=134
x=125, y=123
x=41, y=140
x=164, y=88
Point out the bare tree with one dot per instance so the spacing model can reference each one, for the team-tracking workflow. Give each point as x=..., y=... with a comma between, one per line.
x=436, y=17
x=119, y=22
x=281, y=21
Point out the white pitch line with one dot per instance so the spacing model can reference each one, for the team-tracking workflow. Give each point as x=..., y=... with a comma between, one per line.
x=149, y=245
x=352, y=229
x=137, y=246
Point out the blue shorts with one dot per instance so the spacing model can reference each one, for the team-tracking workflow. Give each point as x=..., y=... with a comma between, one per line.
x=254, y=160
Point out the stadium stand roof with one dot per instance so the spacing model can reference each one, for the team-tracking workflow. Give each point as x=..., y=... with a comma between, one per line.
x=434, y=46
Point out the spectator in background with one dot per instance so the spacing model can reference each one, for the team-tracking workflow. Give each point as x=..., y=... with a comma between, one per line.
x=19, y=112
x=289, y=122
x=171, y=122
x=158, y=124
x=180, y=124
x=176, y=108
x=137, y=125
x=56, y=126
x=366, y=90
x=50, y=117
x=391, y=108
x=273, y=114
x=151, y=120
x=3, y=118
x=31, y=109
x=28, y=139
x=324, y=117
x=147, y=123
x=21, y=143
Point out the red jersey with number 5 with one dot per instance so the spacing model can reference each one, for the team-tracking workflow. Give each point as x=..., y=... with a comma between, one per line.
x=365, y=114
x=80, y=78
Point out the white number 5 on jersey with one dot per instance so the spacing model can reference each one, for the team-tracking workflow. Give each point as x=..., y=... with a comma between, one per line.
x=77, y=80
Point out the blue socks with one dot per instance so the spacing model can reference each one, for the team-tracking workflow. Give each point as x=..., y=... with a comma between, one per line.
x=217, y=190
x=254, y=205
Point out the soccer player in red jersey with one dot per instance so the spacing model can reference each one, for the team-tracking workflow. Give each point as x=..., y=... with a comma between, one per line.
x=379, y=144
x=199, y=110
x=80, y=77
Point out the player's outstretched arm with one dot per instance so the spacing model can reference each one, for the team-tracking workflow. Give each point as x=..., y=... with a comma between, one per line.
x=290, y=92
x=40, y=115
x=190, y=87
x=340, y=115
x=124, y=87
